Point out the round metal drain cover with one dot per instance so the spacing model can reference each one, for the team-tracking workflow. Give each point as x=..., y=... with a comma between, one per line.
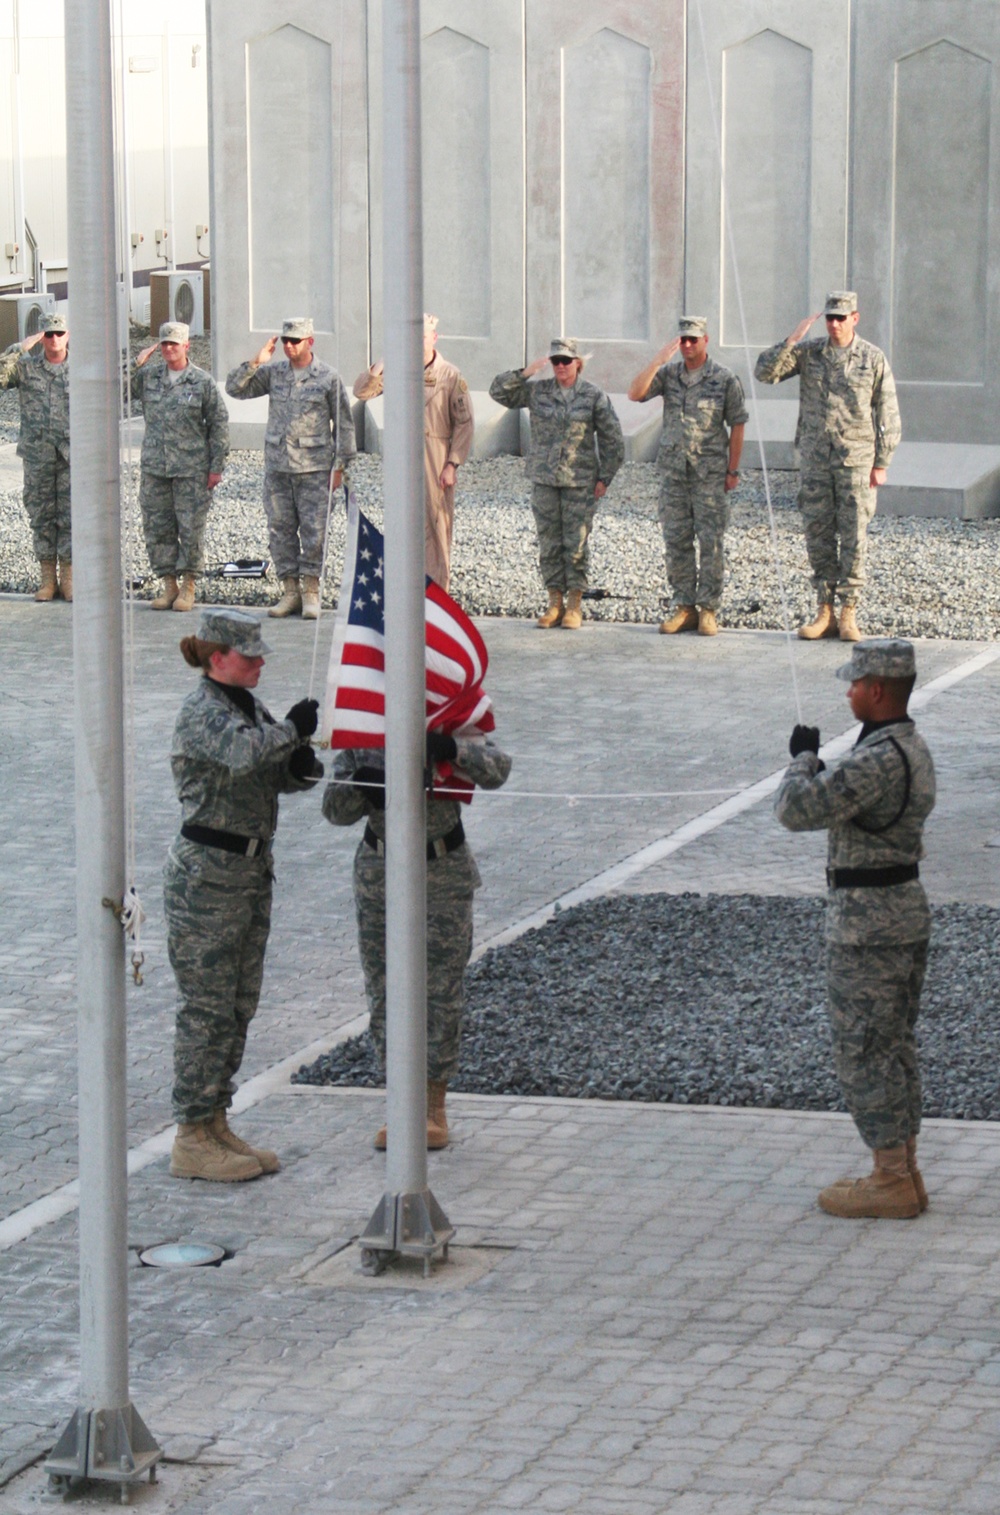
x=182, y=1254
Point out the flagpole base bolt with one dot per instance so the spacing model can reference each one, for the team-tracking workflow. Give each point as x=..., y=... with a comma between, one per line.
x=405, y=1225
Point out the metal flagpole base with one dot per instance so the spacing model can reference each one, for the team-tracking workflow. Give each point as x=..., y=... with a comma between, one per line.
x=412, y=1225
x=112, y=1445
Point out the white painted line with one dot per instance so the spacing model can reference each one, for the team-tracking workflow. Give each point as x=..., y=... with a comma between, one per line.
x=42, y=1212
x=647, y=857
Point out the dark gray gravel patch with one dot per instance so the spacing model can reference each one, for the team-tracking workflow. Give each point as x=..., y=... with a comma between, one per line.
x=701, y=999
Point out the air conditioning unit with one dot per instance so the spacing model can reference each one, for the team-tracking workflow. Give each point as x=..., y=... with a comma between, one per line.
x=22, y=315
x=177, y=295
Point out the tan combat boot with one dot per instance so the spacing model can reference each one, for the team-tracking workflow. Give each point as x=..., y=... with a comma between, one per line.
x=684, y=618
x=310, y=597
x=848, y=624
x=915, y=1174
x=573, y=615
x=185, y=598
x=168, y=594
x=554, y=614
x=437, y=1121
x=291, y=600
x=66, y=580
x=708, y=626
x=49, y=588
x=888, y=1193
x=197, y=1154
x=219, y=1127
x=825, y=624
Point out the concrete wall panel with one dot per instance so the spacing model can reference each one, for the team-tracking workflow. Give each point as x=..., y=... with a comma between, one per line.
x=472, y=77
x=605, y=190
x=288, y=152
x=925, y=240
x=769, y=83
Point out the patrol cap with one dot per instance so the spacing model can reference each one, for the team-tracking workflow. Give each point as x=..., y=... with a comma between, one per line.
x=175, y=331
x=297, y=327
x=840, y=302
x=567, y=347
x=880, y=658
x=693, y=326
x=54, y=324
x=430, y=322
x=233, y=628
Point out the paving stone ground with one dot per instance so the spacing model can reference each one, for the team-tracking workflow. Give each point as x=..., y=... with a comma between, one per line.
x=645, y=1311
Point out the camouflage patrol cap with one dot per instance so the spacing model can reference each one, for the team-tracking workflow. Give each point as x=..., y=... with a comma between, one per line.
x=54, y=324
x=693, y=326
x=840, y=302
x=567, y=347
x=880, y=658
x=430, y=322
x=297, y=327
x=233, y=628
x=175, y=331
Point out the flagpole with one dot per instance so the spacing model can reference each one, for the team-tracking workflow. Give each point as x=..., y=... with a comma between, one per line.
x=407, y=1219
x=105, y=1437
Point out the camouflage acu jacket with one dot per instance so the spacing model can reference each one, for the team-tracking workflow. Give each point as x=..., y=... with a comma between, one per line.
x=565, y=426
x=697, y=418
x=874, y=802
x=309, y=426
x=44, y=396
x=848, y=412
x=228, y=769
x=479, y=761
x=187, y=424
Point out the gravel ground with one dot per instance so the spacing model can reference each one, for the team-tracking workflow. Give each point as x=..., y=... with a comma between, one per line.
x=701, y=999
x=932, y=578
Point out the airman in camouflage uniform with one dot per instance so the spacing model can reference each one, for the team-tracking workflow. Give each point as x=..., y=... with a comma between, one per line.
x=230, y=761
x=576, y=450
x=704, y=415
x=449, y=427
x=358, y=792
x=848, y=430
x=184, y=451
x=42, y=377
x=309, y=434
x=874, y=803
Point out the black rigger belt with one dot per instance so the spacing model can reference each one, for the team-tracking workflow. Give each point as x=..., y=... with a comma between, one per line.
x=228, y=841
x=871, y=878
x=438, y=848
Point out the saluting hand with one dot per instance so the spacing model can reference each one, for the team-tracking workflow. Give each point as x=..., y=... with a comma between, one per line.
x=146, y=354
x=666, y=353
x=533, y=368
x=801, y=329
x=267, y=351
x=29, y=342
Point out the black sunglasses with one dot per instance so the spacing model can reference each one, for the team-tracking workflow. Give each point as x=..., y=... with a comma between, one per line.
x=686, y=340
x=293, y=341
x=561, y=362
x=831, y=316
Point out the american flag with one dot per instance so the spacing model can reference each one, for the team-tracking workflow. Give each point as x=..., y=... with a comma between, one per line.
x=456, y=658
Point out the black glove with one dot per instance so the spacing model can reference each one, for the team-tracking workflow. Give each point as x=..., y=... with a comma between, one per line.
x=440, y=748
x=371, y=782
x=304, y=716
x=305, y=765
x=804, y=739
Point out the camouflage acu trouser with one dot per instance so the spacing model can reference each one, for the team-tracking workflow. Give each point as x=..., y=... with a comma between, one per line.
x=837, y=504
x=564, y=518
x=174, y=513
x=295, y=505
x=46, y=501
x=216, y=936
x=874, y=1001
x=449, y=946
x=693, y=508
